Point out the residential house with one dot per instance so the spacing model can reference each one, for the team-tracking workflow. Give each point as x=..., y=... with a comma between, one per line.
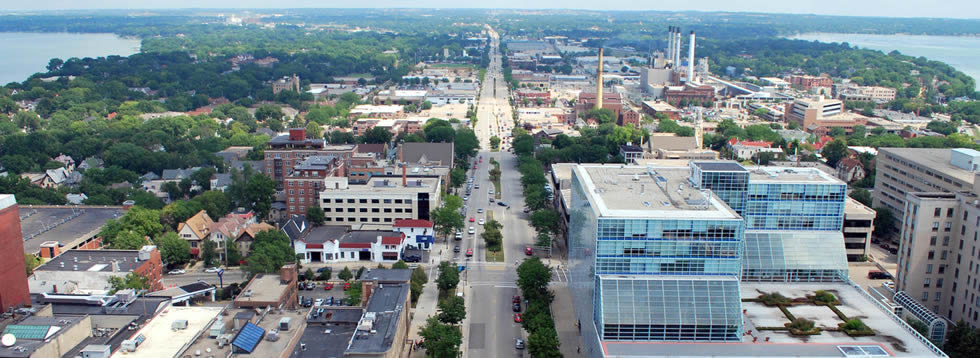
x=245, y=239
x=850, y=169
x=229, y=228
x=66, y=161
x=91, y=163
x=220, y=181
x=195, y=230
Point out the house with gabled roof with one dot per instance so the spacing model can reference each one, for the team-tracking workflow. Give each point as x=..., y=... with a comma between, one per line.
x=195, y=230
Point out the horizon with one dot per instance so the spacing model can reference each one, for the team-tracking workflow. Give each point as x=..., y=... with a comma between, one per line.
x=912, y=9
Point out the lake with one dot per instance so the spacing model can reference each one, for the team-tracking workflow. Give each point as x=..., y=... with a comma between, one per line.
x=29, y=52
x=961, y=52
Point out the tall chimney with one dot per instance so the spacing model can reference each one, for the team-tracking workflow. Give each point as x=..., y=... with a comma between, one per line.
x=677, y=49
x=690, y=60
x=598, y=91
x=404, y=176
x=670, y=43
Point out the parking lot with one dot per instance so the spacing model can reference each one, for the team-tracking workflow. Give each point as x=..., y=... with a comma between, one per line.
x=319, y=292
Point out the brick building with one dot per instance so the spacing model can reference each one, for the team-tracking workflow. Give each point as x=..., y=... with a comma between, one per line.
x=13, y=290
x=808, y=82
x=287, y=151
x=307, y=179
x=689, y=93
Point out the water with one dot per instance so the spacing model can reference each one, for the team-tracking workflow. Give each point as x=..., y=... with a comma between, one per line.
x=29, y=52
x=961, y=52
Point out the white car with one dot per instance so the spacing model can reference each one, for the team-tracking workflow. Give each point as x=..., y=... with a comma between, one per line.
x=465, y=198
x=177, y=272
x=491, y=191
x=479, y=211
x=481, y=222
x=318, y=302
x=472, y=230
x=212, y=269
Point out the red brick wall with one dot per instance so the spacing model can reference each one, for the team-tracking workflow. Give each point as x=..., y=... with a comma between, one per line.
x=153, y=270
x=13, y=277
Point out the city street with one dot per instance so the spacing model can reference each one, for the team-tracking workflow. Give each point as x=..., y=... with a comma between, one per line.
x=490, y=330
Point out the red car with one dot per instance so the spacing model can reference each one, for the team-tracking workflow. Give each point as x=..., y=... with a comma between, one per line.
x=517, y=318
x=328, y=286
x=469, y=252
x=472, y=219
x=528, y=251
x=517, y=299
x=346, y=286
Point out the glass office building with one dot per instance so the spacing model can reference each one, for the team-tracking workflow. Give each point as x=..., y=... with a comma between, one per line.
x=653, y=257
x=726, y=179
x=794, y=256
x=774, y=205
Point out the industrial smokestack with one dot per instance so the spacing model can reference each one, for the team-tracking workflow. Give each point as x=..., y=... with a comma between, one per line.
x=598, y=91
x=690, y=60
x=670, y=43
x=677, y=49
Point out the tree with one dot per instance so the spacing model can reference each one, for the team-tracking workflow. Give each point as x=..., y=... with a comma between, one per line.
x=452, y=310
x=834, y=151
x=962, y=341
x=545, y=221
x=54, y=64
x=345, y=274
x=173, y=250
x=494, y=142
x=862, y=195
x=884, y=222
x=234, y=256
x=360, y=271
x=457, y=177
x=314, y=130
x=31, y=262
x=252, y=190
x=354, y=293
x=325, y=274
x=918, y=326
x=523, y=145
x=339, y=137
x=132, y=280
x=533, y=277
x=448, y=276
x=465, y=144
x=417, y=282
x=209, y=253
x=203, y=177
x=315, y=215
x=268, y=111
x=447, y=220
x=544, y=343
x=441, y=340
x=399, y=265
x=270, y=250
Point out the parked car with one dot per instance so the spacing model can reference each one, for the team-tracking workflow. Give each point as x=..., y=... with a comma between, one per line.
x=308, y=302
x=517, y=307
x=469, y=252
x=328, y=301
x=346, y=286
x=318, y=302
x=527, y=210
x=491, y=191
x=319, y=270
x=519, y=344
x=412, y=258
x=501, y=203
x=517, y=318
x=212, y=269
x=328, y=286
x=517, y=299
x=879, y=275
x=177, y=272
x=528, y=251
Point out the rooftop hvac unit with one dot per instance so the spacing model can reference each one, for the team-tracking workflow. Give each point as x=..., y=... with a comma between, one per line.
x=179, y=324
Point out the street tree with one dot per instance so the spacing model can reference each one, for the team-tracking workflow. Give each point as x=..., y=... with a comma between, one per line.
x=345, y=274
x=448, y=276
x=441, y=340
x=209, y=253
x=233, y=257
x=173, y=250
x=834, y=151
x=325, y=274
x=533, y=277
x=132, y=280
x=452, y=310
x=376, y=135
x=269, y=251
x=315, y=215
x=447, y=220
x=544, y=343
x=399, y=265
x=457, y=177
x=545, y=221
x=494, y=142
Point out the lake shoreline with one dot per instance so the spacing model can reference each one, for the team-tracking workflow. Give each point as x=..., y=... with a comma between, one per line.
x=36, y=49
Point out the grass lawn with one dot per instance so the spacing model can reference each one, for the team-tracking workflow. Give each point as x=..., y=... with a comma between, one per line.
x=493, y=256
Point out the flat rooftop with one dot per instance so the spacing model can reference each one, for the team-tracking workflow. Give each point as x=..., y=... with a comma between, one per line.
x=937, y=160
x=265, y=287
x=651, y=191
x=891, y=336
x=387, y=275
x=324, y=340
x=791, y=175
x=162, y=340
x=34, y=332
x=387, y=306
x=265, y=348
x=390, y=185
x=66, y=225
x=94, y=261
x=854, y=207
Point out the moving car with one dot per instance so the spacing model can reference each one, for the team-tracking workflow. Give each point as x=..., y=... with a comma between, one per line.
x=501, y=203
x=469, y=252
x=472, y=230
x=466, y=198
x=456, y=249
x=459, y=235
x=481, y=222
x=212, y=269
x=476, y=186
x=479, y=211
x=472, y=219
x=177, y=272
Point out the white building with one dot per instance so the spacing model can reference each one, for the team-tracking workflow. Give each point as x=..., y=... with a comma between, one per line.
x=336, y=244
x=418, y=233
x=380, y=202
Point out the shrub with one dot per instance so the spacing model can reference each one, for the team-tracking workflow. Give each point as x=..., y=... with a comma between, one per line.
x=856, y=328
x=774, y=299
x=824, y=297
x=802, y=326
x=854, y=324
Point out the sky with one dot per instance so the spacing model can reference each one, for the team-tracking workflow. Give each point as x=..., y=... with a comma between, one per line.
x=889, y=8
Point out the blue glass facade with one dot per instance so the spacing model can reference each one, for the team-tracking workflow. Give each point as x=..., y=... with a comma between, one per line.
x=795, y=206
x=728, y=180
x=668, y=247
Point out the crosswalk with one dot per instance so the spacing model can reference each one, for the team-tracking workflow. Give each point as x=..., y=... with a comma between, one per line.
x=559, y=274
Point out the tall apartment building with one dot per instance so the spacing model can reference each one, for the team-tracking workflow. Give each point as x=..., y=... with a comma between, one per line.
x=660, y=262
x=938, y=259
x=287, y=151
x=379, y=202
x=307, y=179
x=910, y=170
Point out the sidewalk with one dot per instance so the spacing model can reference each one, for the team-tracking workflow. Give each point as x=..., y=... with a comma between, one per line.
x=429, y=299
x=564, y=314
